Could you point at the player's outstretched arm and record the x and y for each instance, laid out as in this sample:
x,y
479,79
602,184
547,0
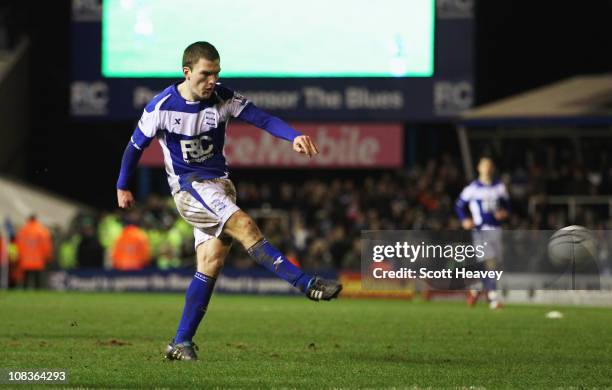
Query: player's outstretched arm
x,y
141,138
278,128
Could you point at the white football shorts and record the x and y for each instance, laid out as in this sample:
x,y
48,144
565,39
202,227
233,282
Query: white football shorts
x,y
207,205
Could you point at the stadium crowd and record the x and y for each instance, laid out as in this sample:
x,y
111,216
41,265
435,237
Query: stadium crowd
x,y
317,221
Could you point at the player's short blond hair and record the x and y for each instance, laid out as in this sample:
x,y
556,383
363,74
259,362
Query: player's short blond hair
x,y
197,50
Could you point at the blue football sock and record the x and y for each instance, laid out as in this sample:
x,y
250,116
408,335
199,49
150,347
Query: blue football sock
x,y
271,258
196,301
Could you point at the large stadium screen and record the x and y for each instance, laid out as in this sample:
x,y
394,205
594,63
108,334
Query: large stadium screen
x,y
272,38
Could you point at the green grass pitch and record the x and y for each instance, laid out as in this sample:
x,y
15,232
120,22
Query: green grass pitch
x,y
116,340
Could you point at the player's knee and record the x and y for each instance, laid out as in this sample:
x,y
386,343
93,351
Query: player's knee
x,y
243,228
244,222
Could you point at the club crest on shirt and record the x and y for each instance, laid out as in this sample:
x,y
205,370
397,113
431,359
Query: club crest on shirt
x,y
211,119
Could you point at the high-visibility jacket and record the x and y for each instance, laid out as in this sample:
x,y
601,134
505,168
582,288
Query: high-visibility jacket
x,y
131,251
34,246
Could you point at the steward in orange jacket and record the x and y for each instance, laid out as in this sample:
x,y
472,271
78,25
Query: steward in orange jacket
x,y
34,247
131,251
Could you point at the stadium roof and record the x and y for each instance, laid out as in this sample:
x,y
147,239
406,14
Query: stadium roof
x,y
19,200
579,100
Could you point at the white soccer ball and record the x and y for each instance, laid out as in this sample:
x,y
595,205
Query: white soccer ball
x,y
572,245
554,315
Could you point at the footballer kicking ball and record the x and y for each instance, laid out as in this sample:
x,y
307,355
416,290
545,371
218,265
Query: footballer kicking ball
x,y
572,245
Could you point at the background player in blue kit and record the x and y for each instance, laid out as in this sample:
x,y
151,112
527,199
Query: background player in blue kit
x,y
189,119
482,207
